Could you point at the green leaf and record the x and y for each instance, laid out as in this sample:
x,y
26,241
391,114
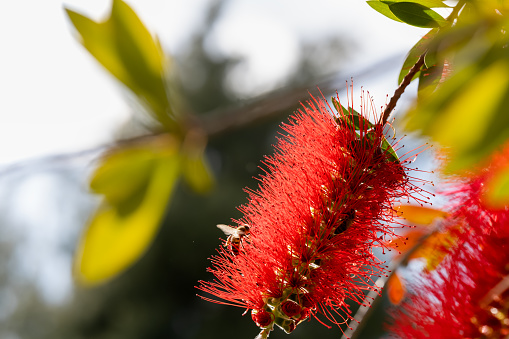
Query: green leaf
x,y
352,117
469,113
342,110
339,108
426,3
360,122
416,15
429,79
124,46
124,226
386,146
383,8
413,55
123,173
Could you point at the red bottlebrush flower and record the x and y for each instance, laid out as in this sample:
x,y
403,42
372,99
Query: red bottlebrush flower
x,y
325,202
262,318
290,308
468,294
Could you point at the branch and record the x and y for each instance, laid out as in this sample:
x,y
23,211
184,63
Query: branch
x,y
218,122
404,83
363,314
276,103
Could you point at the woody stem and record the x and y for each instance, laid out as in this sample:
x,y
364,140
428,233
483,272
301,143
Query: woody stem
x,y
264,334
401,88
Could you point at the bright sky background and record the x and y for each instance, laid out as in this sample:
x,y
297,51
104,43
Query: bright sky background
x,y
54,97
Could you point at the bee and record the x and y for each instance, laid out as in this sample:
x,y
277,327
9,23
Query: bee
x,y
346,222
235,236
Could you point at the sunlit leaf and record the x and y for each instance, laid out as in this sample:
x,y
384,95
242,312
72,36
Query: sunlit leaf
x,y
419,214
427,3
124,173
195,169
416,14
339,108
124,46
497,189
396,289
124,226
383,8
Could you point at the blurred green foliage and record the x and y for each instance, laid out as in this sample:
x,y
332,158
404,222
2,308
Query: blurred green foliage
x,y
136,181
463,87
125,47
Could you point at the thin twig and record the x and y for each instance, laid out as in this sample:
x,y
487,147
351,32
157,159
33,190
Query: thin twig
x,y
363,314
401,88
276,103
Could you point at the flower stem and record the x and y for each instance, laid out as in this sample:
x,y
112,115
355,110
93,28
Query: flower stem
x,y
264,334
401,88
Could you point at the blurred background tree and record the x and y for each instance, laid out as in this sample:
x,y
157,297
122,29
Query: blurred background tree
x,y
156,298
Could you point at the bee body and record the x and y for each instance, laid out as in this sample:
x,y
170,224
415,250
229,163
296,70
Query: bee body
x,y
236,235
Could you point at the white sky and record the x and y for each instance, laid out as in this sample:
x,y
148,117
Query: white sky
x,y
55,98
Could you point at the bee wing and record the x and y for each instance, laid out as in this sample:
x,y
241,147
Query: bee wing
x,y
227,229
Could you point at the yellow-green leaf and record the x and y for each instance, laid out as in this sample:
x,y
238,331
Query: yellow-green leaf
x,y
124,46
124,173
497,189
468,115
383,8
197,174
195,169
123,227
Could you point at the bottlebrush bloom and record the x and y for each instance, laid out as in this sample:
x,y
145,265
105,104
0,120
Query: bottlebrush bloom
x,y
468,295
325,201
